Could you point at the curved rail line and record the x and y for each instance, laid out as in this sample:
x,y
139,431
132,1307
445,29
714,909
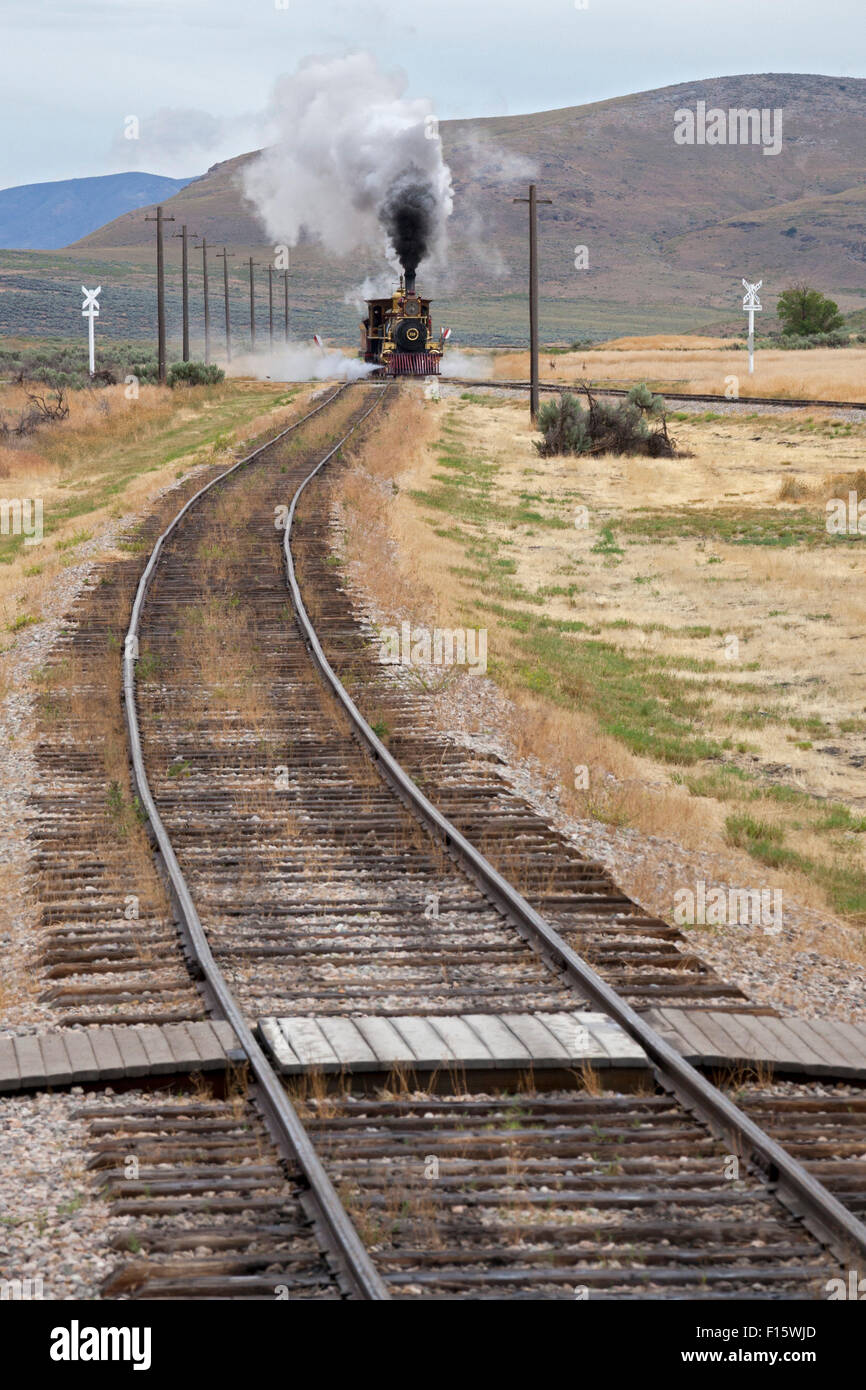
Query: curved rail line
x,y
808,1198
790,402
799,1191
278,1108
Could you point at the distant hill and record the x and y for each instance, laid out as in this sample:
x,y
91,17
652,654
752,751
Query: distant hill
x,y
42,216
670,229
662,222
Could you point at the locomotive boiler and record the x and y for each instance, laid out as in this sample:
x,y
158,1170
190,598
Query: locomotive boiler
x,y
397,334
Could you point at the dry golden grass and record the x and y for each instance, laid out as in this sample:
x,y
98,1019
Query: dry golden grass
x,y
404,557
114,456
701,365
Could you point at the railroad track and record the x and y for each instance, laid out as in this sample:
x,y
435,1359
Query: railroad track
x,y
302,863
792,403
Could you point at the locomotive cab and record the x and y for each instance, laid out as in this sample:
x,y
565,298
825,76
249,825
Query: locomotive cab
x,y
397,334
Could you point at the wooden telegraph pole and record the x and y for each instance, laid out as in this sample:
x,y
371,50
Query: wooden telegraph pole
x,y
533,200
206,301
160,287
184,262
286,305
222,256
271,306
252,307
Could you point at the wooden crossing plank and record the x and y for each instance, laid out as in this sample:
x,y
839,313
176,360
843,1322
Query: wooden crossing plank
x,y
544,1048
463,1041
743,1041
349,1043
58,1069
307,1040
690,1040
82,1056
814,1047
431,1042
106,1052
506,1050
135,1062
572,1032
386,1042
621,1050
789,1048
29,1057
159,1054
826,1058
228,1039
183,1049
335,1044
429,1047
847,1042
210,1049
70,1056
274,1039
10,1076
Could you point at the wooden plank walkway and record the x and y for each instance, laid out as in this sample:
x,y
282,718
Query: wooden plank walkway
x,y
486,1042
338,1045
788,1046
73,1056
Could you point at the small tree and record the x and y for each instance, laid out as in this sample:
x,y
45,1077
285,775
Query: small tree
x,y
804,310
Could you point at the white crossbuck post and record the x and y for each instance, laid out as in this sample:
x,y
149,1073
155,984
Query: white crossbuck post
x,y
90,312
751,304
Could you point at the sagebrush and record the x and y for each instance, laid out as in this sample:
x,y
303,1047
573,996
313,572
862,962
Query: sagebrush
x,y
635,425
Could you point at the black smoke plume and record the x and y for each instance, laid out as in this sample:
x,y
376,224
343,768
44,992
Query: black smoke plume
x,y
408,215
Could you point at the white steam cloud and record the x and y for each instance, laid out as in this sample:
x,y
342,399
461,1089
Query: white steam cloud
x,y
299,362
475,365
355,163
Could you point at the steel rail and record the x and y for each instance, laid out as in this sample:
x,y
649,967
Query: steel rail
x,y
832,1222
792,402
338,1229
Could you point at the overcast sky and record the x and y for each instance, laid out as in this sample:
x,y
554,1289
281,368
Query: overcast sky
x,y
74,70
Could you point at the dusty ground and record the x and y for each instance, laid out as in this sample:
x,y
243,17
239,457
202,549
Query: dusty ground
x,y
692,638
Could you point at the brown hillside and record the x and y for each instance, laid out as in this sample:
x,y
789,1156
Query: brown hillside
x,y
662,222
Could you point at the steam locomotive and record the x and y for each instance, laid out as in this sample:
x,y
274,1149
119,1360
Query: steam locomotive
x,y
397,334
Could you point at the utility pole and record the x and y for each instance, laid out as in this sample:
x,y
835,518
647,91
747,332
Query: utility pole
x,y
206,302
222,256
160,287
533,200
286,305
185,286
271,306
252,307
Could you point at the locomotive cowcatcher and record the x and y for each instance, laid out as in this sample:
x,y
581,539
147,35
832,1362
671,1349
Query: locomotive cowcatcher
x,y
397,334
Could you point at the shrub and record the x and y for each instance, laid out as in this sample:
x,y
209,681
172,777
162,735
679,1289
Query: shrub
x,y
636,425
804,311
194,374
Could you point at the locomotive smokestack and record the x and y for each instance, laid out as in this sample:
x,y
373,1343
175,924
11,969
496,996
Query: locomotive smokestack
x,y
409,215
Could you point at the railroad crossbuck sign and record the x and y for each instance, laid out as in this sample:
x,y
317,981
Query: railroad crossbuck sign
x,y
751,304
90,311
